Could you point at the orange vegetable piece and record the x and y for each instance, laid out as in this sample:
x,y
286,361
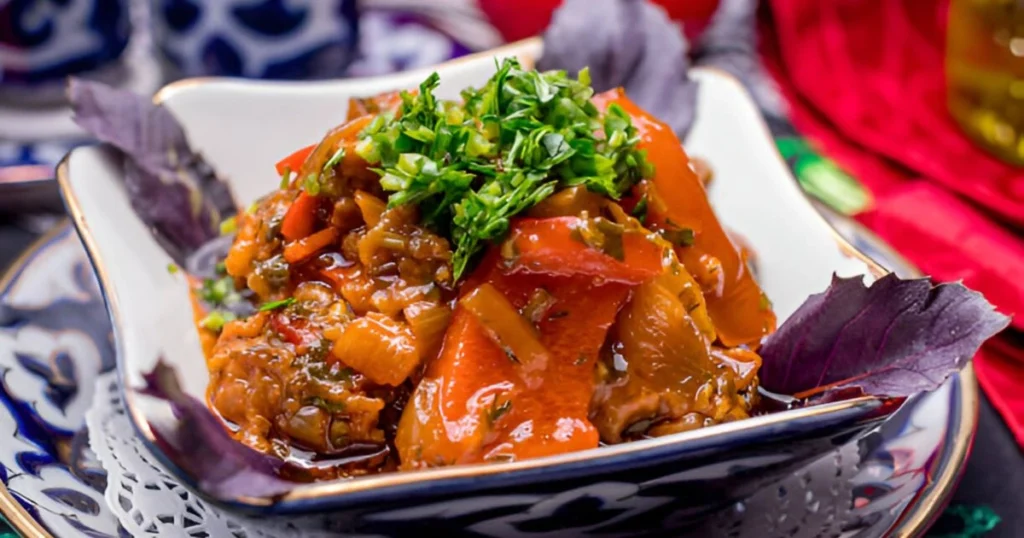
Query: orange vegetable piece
x,y
735,305
346,132
507,329
473,405
385,102
294,161
379,347
300,219
370,207
553,246
305,248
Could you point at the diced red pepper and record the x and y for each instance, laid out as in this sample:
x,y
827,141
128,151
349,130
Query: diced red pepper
x,y
305,248
292,331
294,161
300,219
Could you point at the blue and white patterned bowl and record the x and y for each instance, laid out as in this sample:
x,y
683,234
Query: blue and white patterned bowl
x,y
298,39
45,41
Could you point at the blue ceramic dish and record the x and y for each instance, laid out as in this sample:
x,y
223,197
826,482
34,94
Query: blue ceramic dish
x,y
44,42
645,487
304,39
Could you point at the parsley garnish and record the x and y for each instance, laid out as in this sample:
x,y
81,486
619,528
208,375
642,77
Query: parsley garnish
x,y
286,178
219,292
498,410
274,305
640,210
335,159
680,237
311,185
330,407
471,166
228,226
216,319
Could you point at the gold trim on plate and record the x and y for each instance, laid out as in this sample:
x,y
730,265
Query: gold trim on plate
x,y
919,516
16,515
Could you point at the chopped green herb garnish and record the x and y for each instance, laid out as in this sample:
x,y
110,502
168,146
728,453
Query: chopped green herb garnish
x,y
498,410
311,185
172,268
335,159
471,166
216,319
286,178
219,292
228,226
640,210
680,237
330,407
221,268
274,305
601,234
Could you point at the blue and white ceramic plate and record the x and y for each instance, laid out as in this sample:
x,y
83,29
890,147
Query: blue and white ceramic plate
x,y
55,340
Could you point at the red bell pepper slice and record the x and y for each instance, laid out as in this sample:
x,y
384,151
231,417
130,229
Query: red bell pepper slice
x,y
294,161
301,250
300,219
474,403
735,305
554,246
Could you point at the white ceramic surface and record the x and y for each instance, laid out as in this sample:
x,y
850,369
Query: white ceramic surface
x,y
243,128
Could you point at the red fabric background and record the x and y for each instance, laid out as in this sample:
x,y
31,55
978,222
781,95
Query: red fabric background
x,y
519,19
865,81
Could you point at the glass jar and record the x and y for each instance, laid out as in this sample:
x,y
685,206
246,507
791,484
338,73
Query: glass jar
x,y
985,73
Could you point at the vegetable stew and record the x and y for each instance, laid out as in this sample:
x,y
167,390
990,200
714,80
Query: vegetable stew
x,y
530,270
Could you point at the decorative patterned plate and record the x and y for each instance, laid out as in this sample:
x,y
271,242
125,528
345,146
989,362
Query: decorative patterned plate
x,y
55,340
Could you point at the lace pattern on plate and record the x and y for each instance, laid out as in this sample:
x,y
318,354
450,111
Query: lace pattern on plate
x,y
814,501
142,494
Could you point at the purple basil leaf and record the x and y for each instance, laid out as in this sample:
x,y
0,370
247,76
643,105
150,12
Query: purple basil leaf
x,y
894,338
170,186
628,43
223,467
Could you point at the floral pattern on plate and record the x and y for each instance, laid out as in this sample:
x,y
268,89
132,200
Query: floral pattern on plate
x,y
54,341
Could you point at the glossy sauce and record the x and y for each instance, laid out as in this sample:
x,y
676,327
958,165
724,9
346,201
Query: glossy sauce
x,y
735,301
602,329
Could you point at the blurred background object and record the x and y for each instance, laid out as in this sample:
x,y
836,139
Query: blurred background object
x,y
985,73
302,39
43,42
